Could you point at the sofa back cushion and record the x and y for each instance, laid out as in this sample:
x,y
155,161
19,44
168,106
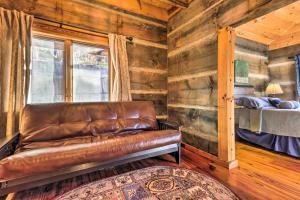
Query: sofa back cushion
x,y
44,122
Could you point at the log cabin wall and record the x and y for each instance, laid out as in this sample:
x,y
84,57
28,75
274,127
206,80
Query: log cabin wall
x,y
256,55
282,70
192,76
147,54
148,75
192,63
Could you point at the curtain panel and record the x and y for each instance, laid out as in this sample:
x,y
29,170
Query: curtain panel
x,y
120,79
15,59
297,61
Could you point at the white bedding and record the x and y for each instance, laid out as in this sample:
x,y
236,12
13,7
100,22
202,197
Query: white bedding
x,y
284,122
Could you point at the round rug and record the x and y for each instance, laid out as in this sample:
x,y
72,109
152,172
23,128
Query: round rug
x,y
164,183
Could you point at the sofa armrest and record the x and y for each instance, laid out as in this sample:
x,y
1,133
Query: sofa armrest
x,y
163,125
8,145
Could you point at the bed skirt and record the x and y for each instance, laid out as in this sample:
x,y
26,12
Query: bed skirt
x,y
283,144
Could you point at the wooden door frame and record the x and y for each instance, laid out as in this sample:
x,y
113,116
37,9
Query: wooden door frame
x,y
226,135
226,46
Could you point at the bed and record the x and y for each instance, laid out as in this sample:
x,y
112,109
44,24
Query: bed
x,y
270,127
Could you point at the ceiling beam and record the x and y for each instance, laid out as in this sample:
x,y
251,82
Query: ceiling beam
x,y
121,11
139,7
177,3
173,11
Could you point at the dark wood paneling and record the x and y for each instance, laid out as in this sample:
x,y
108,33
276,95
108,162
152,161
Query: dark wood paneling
x,y
251,46
284,71
197,124
196,119
259,85
160,101
197,91
284,52
200,143
192,33
148,71
196,7
256,55
289,92
197,59
146,56
147,80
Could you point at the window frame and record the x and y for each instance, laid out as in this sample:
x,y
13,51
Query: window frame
x,y
64,63
71,60
84,39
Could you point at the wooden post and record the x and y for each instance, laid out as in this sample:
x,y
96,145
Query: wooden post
x,y
226,137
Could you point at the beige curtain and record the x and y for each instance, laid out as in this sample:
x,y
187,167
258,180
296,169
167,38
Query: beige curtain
x,y
120,80
15,58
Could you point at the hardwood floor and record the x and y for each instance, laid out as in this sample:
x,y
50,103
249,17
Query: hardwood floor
x,y
261,175
265,175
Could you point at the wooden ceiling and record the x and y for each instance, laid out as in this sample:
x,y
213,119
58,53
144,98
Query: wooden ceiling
x,y
158,9
277,29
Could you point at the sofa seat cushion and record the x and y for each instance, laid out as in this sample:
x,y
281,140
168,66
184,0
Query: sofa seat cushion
x,y
39,157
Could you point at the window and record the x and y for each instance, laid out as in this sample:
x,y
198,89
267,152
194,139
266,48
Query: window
x,y
47,71
52,77
90,73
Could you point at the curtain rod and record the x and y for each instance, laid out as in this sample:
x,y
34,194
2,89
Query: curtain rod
x,y
130,39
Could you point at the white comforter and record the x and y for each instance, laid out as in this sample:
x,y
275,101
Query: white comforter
x,y
285,122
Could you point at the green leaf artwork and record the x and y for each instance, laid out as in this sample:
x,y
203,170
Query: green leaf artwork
x,y
241,72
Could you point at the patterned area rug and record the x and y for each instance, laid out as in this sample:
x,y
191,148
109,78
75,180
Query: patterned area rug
x,y
164,183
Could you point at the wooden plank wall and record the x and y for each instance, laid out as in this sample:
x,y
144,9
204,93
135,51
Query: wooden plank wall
x,y
92,16
256,55
192,78
192,63
148,75
147,55
282,70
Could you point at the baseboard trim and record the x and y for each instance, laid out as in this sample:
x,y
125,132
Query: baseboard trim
x,y
215,161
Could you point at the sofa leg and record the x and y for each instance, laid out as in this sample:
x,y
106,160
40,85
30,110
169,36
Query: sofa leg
x,y
177,154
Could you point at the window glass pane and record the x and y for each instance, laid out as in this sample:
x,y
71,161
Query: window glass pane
x,y
47,72
90,73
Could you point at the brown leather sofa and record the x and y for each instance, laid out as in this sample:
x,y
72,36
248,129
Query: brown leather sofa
x,y
57,141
